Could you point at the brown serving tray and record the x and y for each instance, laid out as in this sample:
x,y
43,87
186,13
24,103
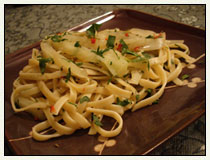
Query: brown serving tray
x,y
144,129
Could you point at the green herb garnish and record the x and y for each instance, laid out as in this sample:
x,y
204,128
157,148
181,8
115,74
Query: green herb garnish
x,y
73,104
123,103
96,120
149,91
185,76
83,99
64,33
148,65
116,54
125,50
68,75
144,59
125,75
139,59
110,63
57,38
79,63
156,101
124,46
110,42
42,63
131,53
146,55
109,80
137,97
77,44
100,52
39,56
150,36
92,30
70,61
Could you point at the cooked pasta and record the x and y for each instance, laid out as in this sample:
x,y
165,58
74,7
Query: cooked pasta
x,y
78,78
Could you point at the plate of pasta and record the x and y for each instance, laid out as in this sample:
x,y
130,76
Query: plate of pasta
x,y
121,89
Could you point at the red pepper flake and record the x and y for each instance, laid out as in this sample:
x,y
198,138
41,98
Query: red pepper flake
x,y
59,33
136,49
126,34
93,40
119,48
158,36
106,39
52,109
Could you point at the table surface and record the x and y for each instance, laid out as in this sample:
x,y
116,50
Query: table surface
x,y
27,24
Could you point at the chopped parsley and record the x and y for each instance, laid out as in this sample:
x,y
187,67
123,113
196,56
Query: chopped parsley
x,y
79,63
109,80
110,42
149,91
110,63
123,103
125,75
131,53
68,75
139,59
125,50
68,60
148,65
156,101
83,99
185,76
64,33
57,38
146,55
116,54
77,44
144,59
137,97
154,37
96,120
42,63
39,56
100,52
150,36
92,30
124,47
73,104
